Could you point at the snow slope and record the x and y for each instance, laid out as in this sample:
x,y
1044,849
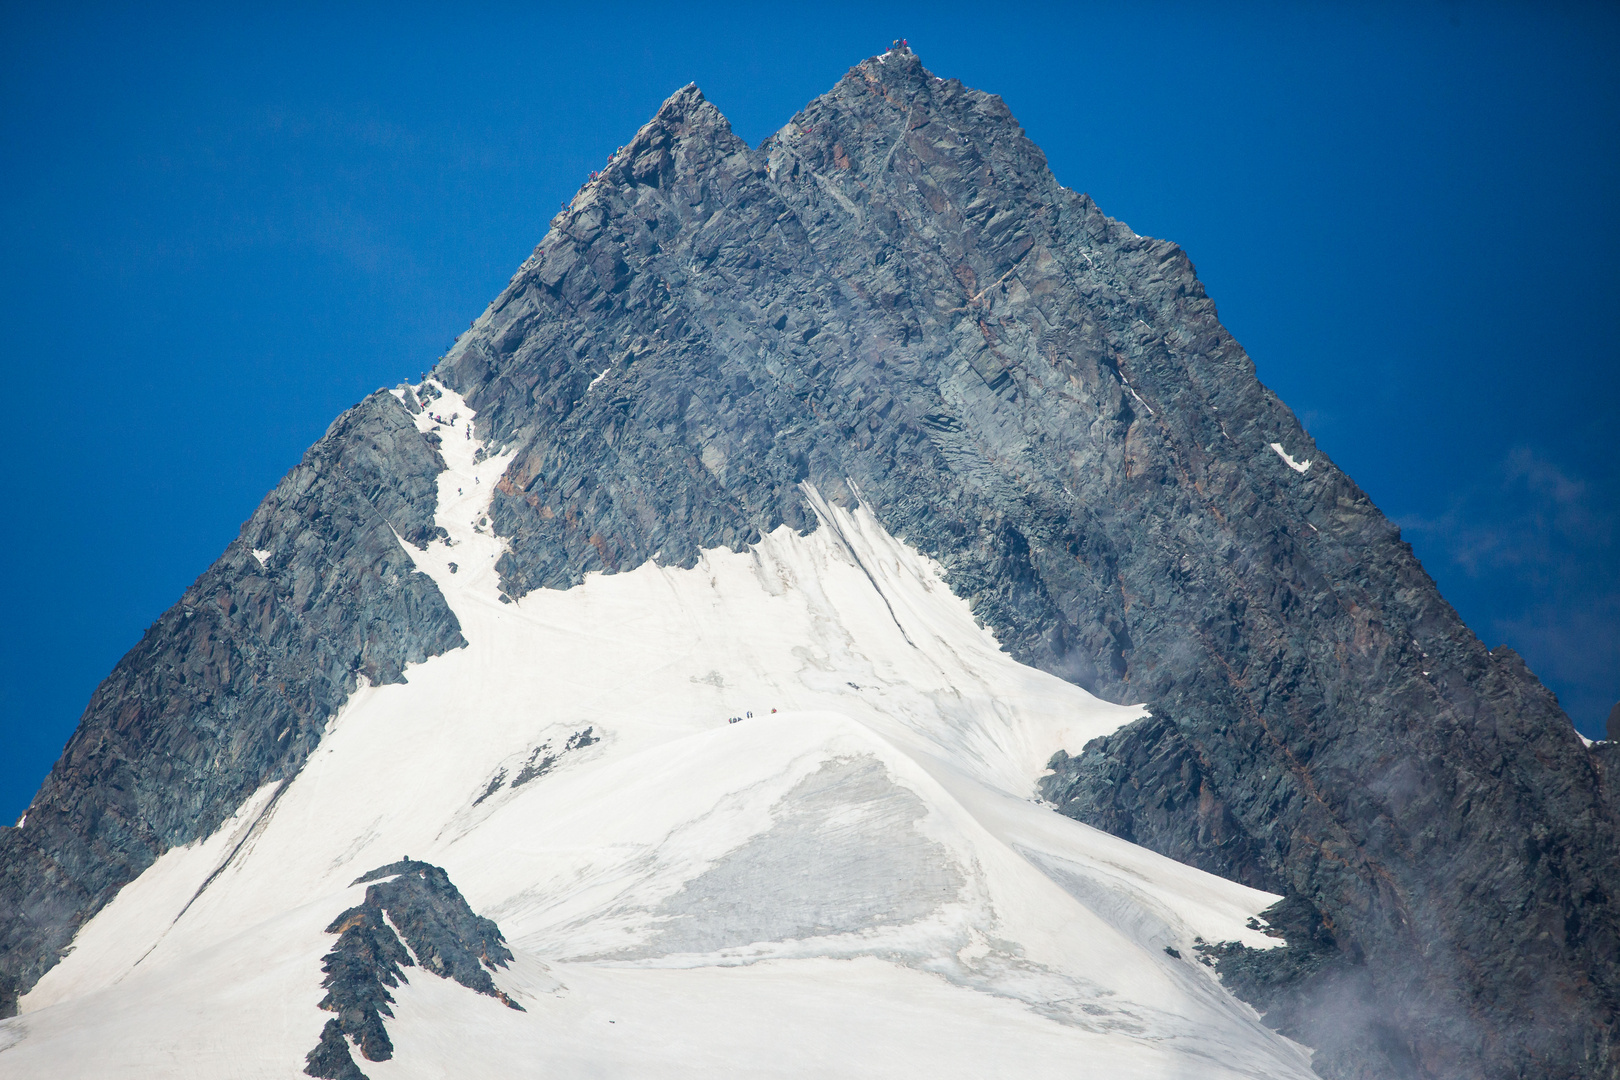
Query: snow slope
x,y
855,880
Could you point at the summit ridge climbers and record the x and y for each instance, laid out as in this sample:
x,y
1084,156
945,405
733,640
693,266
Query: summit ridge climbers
x,y
892,313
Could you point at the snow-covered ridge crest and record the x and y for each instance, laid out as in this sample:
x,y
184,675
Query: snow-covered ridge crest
x,y
861,854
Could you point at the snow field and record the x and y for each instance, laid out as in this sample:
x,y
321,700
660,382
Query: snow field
x,y
859,884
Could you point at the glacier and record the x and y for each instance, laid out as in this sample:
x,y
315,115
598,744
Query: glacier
x,y
855,878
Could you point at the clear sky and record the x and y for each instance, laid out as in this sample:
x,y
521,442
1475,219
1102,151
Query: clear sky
x,y
222,227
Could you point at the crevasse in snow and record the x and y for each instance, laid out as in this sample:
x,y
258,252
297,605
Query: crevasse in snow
x,y
854,880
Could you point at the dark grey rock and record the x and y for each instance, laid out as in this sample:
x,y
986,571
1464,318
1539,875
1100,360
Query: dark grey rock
x,y
541,760
444,935
1144,783
331,1058
1310,979
232,687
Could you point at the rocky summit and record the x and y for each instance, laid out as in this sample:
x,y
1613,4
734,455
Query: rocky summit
x,y
955,495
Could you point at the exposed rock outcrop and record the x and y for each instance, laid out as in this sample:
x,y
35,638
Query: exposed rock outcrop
x,y
1144,783
415,901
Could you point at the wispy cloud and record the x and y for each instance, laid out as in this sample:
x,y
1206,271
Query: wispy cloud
x,y
1533,546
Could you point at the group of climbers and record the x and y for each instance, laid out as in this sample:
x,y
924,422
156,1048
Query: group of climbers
x,y
596,173
740,719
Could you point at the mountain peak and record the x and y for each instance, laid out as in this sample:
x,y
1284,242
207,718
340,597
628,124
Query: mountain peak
x,y
750,556
686,107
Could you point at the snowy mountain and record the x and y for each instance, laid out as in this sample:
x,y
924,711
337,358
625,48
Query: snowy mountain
x,y
686,677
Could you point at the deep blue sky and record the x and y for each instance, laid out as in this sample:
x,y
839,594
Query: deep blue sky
x,y
219,230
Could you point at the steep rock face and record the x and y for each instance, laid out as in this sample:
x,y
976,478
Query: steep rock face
x,y
231,687
894,298
1146,784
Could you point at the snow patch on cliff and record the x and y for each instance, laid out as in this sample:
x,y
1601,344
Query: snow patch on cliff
x,y
1288,459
